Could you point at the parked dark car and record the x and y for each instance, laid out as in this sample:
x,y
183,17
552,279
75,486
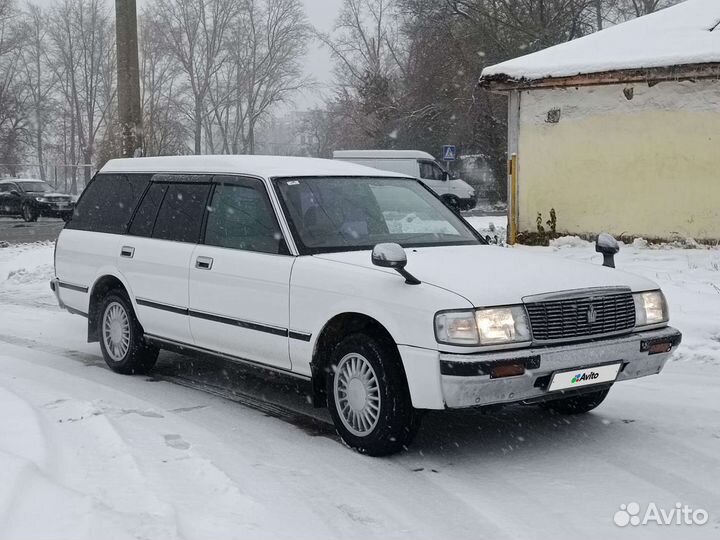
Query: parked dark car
x,y
31,199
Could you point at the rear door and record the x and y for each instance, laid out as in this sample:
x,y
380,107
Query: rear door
x,y
240,276
155,256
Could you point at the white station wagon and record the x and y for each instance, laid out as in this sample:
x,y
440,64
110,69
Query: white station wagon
x,y
360,281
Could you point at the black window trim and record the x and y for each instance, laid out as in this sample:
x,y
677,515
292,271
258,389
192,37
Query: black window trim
x,y
304,250
251,182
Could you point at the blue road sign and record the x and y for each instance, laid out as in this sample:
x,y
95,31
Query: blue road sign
x,y
449,152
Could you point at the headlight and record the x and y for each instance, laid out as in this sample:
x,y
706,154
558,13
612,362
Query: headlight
x,y
492,326
650,308
41,199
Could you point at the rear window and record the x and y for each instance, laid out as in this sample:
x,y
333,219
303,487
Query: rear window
x,y
108,202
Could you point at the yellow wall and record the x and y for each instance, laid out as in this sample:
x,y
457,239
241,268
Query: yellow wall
x,y
649,166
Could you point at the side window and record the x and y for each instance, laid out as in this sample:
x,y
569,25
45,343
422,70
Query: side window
x,y
240,216
108,202
144,219
181,212
4,188
431,171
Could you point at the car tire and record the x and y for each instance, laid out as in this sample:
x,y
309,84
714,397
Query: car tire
x,y
29,214
578,404
121,337
368,396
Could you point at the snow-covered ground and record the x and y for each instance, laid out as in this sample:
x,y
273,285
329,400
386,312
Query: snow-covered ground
x,y
86,454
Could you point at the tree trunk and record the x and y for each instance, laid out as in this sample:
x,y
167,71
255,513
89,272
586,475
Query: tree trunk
x,y
73,157
40,156
198,125
129,107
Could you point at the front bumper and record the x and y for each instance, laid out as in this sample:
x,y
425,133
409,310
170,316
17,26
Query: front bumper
x,y
466,379
54,209
468,203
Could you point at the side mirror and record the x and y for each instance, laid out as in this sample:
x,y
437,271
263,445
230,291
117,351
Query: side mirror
x,y
446,176
14,193
390,255
608,246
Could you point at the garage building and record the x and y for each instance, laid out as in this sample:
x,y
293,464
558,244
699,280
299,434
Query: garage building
x,y
619,131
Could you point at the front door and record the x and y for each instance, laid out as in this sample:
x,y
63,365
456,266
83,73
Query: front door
x,y
240,276
433,177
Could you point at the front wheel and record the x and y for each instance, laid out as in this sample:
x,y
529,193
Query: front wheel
x,y
29,213
121,337
368,397
578,404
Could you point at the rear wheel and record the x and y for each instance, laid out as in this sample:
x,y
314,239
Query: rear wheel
x,y
368,397
121,337
29,213
578,404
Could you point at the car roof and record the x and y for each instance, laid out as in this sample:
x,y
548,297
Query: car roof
x,y
381,154
262,166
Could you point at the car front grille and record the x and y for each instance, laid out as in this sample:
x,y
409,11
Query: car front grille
x,y
572,318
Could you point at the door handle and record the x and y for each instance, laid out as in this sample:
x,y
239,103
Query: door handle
x,y
127,251
204,263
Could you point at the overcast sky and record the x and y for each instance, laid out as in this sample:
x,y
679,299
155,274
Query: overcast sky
x,y
322,14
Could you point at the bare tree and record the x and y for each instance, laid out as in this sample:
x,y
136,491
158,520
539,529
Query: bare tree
x,y
13,97
38,79
370,63
265,48
194,32
164,129
85,61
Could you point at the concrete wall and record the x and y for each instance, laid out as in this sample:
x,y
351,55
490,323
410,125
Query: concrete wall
x,y
646,166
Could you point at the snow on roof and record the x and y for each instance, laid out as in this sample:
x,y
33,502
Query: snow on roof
x,y
687,33
381,154
262,166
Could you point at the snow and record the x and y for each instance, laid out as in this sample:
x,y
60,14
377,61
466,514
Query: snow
x,y
678,35
262,166
86,453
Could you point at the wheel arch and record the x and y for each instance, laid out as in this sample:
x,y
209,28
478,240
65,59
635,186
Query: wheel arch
x,y
332,332
104,284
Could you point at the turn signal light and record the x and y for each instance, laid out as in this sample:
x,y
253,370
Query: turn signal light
x,y
659,348
507,370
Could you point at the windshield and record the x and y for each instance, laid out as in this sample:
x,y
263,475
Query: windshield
x,y
340,214
35,187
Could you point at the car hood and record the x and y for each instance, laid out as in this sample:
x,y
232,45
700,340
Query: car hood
x,y
491,275
50,195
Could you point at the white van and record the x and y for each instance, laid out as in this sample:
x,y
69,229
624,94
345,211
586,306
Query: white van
x,y
453,191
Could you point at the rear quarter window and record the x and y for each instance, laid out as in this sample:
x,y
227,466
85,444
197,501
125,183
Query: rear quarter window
x,y
108,203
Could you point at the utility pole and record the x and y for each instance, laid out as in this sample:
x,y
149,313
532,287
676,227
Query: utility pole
x,y
129,108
